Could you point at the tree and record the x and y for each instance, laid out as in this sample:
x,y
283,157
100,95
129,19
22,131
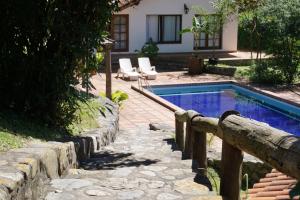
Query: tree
x,y
273,27
46,47
248,25
280,30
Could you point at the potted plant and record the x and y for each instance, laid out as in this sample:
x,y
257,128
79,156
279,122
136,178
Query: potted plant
x,y
150,50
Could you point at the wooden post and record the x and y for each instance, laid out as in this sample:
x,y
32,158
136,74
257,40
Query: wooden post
x,y
199,152
179,131
231,172
188,140
108,72
231,165
189,134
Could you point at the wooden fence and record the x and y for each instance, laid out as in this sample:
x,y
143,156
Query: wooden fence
x,y
279,149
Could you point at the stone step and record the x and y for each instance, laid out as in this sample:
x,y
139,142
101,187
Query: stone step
x,y
141,164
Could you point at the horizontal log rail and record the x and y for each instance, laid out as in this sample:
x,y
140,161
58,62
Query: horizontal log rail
x,y
277,148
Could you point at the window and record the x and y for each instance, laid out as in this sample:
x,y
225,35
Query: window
x,y
205,41
164,28
119,32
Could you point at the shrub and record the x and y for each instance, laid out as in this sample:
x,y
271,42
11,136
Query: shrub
x,y
47,48
265,72
273,27
117,97
150,50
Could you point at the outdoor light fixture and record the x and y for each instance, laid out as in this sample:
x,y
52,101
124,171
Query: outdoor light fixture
x,y
186,9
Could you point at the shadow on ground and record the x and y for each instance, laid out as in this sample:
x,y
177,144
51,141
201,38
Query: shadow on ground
x,y
109,160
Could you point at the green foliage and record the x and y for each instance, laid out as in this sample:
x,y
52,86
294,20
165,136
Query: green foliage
x,y
265,72
273,27
210,23
118,97
9,141
295,191
86,116
99,58
214,178
279,25
248,5
246,180
17,130
243,72
47,48
150,50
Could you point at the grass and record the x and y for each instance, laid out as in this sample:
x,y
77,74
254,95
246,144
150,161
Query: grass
x,y
214,179
86,117
242,71
16,130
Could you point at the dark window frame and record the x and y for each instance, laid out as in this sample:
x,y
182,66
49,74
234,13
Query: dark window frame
x,y
160,29
126,49
206,47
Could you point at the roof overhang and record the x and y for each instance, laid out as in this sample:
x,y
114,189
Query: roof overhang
x,y
123,4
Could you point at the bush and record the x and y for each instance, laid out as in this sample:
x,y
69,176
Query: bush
x,y
273,27
117,97
265,72
149,50
47,48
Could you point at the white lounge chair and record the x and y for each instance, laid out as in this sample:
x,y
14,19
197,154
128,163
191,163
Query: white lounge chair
x,y
146,69
127,70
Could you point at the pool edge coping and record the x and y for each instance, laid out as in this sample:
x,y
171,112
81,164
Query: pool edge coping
x,y
157,99
174,108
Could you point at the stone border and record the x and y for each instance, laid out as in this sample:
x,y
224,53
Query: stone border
x,y
226,71
24,172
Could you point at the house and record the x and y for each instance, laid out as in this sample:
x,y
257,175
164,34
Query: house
x,y
138,21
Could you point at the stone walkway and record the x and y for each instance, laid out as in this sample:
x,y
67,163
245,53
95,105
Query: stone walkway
x,y
141,164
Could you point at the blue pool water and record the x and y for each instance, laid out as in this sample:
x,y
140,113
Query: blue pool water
x,y
214,100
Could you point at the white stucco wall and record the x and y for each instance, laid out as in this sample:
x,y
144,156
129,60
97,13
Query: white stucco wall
x,y
137,24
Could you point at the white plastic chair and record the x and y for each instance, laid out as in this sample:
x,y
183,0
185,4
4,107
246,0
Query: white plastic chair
x,y
127,70
146,69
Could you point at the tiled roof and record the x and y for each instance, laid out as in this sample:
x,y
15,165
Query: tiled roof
x,y
123,4
275,186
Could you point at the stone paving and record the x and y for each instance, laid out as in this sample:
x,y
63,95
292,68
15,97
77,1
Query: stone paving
x,y
141,164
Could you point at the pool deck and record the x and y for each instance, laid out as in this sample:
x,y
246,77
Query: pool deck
x,y
139,110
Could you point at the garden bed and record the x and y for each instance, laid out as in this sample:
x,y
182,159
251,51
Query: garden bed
x,y
24,172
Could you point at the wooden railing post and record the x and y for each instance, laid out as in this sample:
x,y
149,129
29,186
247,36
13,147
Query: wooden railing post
x,y
231,172
189,134
179,133
199,152
180,119
187,143
231,167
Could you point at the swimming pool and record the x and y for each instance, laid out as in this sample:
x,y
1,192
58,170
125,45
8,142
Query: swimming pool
x,y
213,100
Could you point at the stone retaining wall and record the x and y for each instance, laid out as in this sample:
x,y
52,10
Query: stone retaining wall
x,y
25,171
226,71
